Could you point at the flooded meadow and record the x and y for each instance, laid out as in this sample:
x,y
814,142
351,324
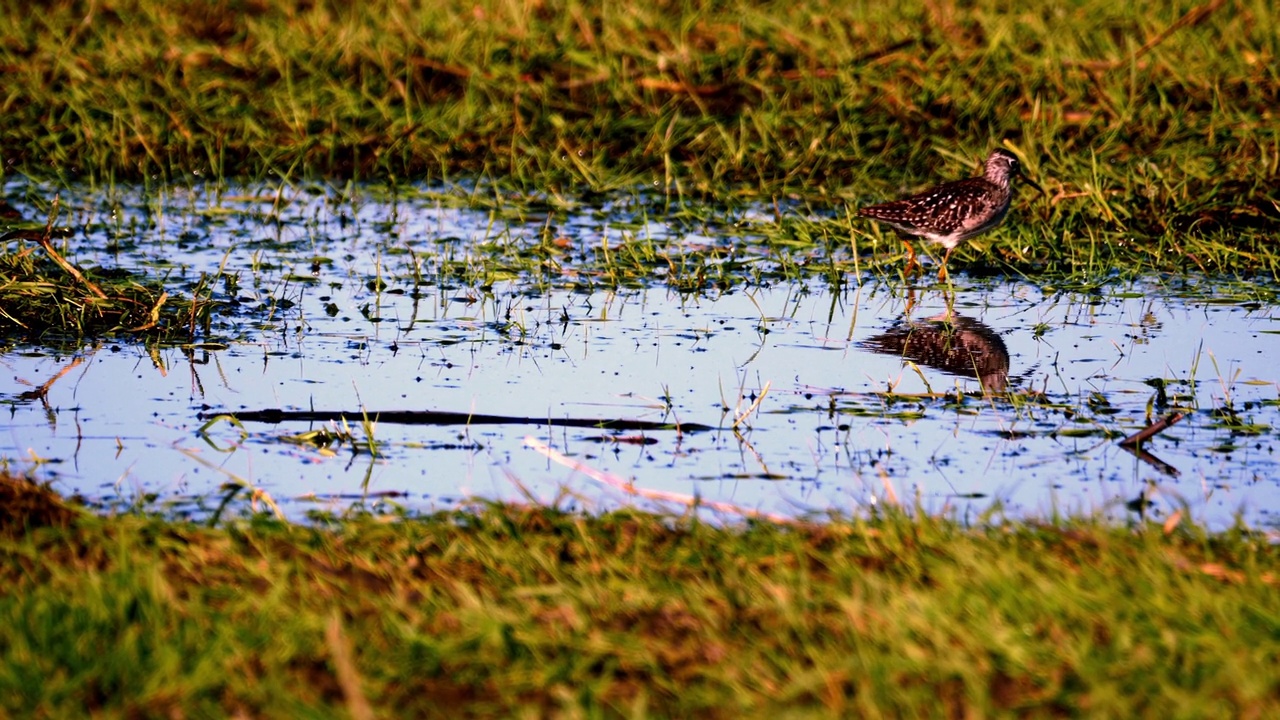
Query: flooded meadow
x,y
422,347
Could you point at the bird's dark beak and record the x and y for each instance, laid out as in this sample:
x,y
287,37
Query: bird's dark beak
x,y
1032,183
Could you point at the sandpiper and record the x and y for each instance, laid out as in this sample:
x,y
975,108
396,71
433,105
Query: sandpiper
x,y
954,211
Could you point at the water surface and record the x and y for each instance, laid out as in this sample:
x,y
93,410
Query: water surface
x,y
996,392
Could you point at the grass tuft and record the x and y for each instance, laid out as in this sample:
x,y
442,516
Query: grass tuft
x,y
501,609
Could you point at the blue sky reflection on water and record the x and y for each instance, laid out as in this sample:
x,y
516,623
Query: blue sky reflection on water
x,y
825,437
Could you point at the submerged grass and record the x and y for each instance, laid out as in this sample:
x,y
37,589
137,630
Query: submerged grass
x,y
45,298
501,610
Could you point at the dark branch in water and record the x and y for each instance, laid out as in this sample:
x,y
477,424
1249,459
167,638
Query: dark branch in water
x,y
433,417
1163,467
1152,429
1133,443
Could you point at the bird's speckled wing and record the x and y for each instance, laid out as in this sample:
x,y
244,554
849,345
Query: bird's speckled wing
x,y
962,208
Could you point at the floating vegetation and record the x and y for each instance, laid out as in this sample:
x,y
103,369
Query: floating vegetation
x,y
45,296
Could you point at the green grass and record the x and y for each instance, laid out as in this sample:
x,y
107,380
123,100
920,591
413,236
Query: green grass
x,y
1152,129
506,610
46,299
811,97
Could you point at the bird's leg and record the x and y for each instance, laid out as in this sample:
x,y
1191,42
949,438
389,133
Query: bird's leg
x,y
942,271
912,262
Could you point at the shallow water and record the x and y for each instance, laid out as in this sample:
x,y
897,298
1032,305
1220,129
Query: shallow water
x,y
843,422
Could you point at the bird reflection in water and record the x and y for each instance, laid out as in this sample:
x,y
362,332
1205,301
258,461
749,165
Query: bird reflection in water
x,y
955,344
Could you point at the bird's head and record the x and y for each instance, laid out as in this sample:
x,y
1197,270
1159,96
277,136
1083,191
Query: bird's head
x,y
1002,166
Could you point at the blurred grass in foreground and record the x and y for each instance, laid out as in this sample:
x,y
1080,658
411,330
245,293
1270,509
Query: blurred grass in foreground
x,y
502,610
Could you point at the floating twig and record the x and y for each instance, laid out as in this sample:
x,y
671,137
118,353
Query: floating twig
x,y
66,266
1152,429
41,392
434,417
629,488
1146,457
755,405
